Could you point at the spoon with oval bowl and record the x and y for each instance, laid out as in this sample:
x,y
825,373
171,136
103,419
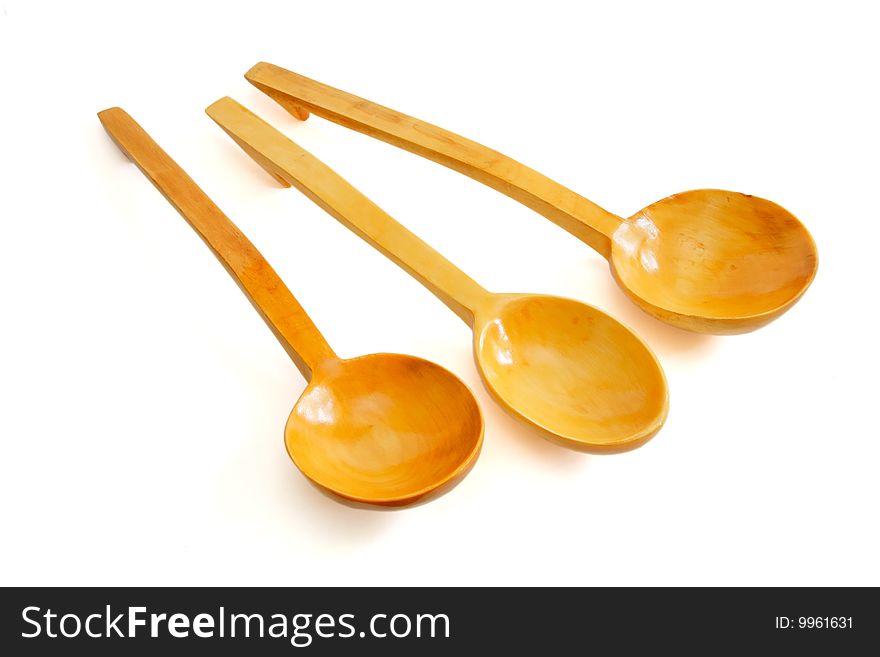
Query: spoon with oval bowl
x,y
384,430
707,260
582,378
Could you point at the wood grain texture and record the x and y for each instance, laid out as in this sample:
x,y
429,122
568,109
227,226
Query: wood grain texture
x,y
714,261
569,370
704,262
383,430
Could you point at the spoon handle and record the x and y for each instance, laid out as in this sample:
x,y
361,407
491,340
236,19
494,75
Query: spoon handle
x,y
290,164
300,95
275,303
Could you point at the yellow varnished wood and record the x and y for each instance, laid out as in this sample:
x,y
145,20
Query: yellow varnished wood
x,y
381,430
714,261
579,376
710,261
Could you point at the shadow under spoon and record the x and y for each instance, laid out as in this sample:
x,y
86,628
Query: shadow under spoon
x,y
582,378
707,260
383,430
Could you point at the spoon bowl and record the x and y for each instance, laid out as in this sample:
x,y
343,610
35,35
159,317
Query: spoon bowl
x,y
570,370
714,261
384,429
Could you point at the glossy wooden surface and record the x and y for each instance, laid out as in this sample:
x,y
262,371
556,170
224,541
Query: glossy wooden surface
x,y
710,261
574,371
385,428
566,368
382,430
757,256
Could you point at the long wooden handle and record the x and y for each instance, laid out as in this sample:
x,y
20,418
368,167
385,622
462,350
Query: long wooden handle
x,y
300,95
290,164
287,319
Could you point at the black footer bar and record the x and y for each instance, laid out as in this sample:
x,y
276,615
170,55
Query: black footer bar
x,y
435,620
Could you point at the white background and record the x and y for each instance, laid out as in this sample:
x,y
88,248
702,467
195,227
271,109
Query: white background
x,y
143,400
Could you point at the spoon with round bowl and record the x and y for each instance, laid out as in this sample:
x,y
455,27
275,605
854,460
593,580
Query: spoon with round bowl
x,y
707,260
383,430
579,376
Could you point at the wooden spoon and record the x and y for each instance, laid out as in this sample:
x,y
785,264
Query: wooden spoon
x,y
567,368
384,429
708,260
